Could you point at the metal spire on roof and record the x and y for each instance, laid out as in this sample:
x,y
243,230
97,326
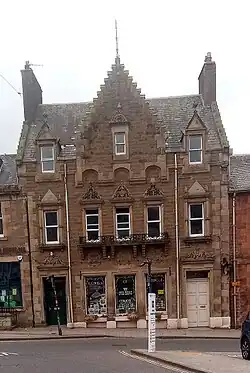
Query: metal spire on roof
x,y
117,58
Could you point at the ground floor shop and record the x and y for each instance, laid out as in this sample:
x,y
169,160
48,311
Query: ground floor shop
x,y
113,293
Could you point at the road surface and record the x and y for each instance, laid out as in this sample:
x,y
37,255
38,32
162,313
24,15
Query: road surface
x,y
104,355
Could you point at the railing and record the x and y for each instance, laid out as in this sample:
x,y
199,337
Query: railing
x,y
133,239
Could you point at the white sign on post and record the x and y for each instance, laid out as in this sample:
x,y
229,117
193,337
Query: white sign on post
x,y
151,322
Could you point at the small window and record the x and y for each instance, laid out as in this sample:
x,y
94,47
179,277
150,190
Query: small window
x,y
195,149
1,221
48,159
196,220
154,221
10,285
51,227
92,225
122,223
120,145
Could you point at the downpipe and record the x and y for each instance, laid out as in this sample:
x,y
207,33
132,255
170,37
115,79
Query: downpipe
x,y
234,261
71,312
177,240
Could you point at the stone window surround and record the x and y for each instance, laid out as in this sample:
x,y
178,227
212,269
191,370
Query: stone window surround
x,y
85,292
42,210
84,223
206,213
116,220
120,128
124,274
151,204
117,143
54,226
195,167
44,176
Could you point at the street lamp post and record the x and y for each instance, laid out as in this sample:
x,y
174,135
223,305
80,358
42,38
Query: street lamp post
x,y
151,308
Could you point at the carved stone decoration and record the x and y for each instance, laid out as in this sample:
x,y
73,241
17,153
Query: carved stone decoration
x,y
49,197
118,116
53,260
196,189
153,191
123,257
156,255
94,259
91,193
121,192
15,250
198,255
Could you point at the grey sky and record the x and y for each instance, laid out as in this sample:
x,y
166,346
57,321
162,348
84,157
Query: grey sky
x,y
162,43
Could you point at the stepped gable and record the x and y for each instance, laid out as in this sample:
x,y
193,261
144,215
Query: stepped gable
x,y
170,115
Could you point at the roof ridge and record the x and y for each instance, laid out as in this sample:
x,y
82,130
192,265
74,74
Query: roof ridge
x,y
177,96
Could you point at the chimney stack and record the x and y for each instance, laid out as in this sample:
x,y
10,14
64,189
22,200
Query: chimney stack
x,y
207,80
32,92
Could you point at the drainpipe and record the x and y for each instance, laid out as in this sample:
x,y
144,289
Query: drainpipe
x,y
68,247
234,260
30,262
177,243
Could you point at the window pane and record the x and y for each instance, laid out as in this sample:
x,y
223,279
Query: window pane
x,y
153,213
120,138
96,295
120,148
196,211
122,210
51,218
48,165
93,235
47,152
122,218
10,285
92,219
1,226
195,142
123,233
195,156
125,294
1,215
196,227
153,229
52,235
158,287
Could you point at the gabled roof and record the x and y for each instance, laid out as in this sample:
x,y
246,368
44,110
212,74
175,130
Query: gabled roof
x,y
172,114
239,173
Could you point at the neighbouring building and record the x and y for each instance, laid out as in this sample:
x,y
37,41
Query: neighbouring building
x,y
15,286
239,264
120,181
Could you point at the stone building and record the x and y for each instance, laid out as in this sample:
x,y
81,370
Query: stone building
x,y
15,287
239,264
122,180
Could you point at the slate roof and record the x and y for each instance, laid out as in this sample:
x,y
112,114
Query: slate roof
x,y
239,173
8,173
174,114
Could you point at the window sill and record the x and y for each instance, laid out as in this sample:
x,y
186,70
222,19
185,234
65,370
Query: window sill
x,y
51,247
198,239
3,238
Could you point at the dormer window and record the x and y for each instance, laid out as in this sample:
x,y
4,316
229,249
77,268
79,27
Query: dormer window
x,y
120,143
48,158
195,149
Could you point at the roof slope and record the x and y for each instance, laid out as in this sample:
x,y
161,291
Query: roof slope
x,y
239,173
8,174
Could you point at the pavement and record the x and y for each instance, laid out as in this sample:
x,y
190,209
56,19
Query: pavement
x,y
198,362
52,333
102,355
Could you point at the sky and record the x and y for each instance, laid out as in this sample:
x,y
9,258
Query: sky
x,y
162,43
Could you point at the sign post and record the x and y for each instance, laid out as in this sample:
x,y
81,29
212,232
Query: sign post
x,y
151,322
